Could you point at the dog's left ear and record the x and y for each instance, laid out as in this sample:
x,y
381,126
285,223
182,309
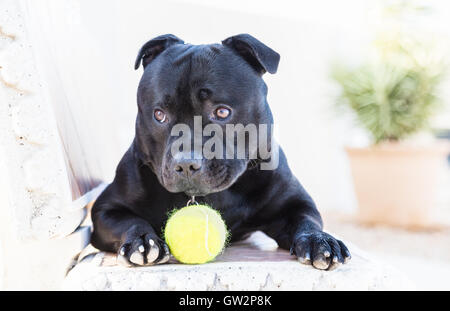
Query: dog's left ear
x,y
154,47
256,53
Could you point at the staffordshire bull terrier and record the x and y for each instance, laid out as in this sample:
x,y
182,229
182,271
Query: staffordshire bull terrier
x,y
222,84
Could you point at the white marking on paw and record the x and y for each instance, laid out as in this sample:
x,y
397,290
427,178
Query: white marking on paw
x,y
165,258
137,258
303,260
320,264
153,254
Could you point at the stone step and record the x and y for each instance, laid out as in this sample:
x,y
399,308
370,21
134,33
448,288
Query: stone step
x,y
254,264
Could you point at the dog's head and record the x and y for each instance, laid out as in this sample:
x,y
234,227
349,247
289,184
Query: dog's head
x,y
222,84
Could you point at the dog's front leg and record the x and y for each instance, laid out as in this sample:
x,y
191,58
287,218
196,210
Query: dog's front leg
x,y
313,246
134,240
298,228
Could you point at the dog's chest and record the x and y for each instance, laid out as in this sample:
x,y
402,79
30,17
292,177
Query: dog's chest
x,y
237,215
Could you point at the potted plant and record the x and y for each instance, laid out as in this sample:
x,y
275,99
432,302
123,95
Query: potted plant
x,y
393,98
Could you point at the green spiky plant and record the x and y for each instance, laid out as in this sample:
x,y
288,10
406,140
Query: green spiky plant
x,y
395,94
390,102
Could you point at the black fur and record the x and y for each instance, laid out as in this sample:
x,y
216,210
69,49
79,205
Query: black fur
x,y
186,80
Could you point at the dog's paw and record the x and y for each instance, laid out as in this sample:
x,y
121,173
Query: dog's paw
x,y
321,250
144,250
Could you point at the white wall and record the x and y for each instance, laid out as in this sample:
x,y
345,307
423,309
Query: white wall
x,y
35,192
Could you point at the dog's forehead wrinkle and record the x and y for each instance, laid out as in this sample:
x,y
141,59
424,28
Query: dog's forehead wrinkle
x,y
202,52
175,81
185,55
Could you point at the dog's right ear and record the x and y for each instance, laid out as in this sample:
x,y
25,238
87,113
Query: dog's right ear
x,y
154,47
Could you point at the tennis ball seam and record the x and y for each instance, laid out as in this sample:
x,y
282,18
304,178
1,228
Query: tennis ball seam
x,y
206,233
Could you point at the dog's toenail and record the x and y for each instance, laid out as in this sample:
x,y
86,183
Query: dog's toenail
x,y
326,254
151,242
141,248
122,251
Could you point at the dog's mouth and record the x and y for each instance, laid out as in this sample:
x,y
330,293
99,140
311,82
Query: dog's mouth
x,y
221,183
195,193
201,186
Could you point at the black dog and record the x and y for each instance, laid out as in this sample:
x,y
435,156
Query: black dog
x,y
223,84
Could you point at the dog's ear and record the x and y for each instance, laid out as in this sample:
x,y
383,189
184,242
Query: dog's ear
x,y
155,46
256,53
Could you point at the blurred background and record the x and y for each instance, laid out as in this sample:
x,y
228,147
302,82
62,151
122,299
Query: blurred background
x,y
361,103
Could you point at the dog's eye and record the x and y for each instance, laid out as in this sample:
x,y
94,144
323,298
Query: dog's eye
x,y
160,116
222,113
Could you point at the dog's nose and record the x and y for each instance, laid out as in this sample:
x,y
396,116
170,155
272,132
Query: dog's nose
x,y
188,167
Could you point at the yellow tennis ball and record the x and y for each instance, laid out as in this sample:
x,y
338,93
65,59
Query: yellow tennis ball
x,y
195,234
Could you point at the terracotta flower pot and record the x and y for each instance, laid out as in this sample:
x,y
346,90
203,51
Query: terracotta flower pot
x,y
396,184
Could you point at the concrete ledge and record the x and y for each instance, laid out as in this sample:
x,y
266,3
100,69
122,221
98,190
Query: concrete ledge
x,y
255,264
35,179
